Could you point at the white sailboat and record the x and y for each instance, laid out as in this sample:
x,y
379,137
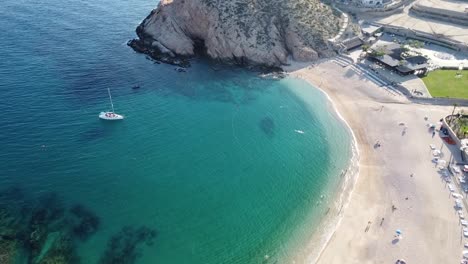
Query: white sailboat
x,y
110,115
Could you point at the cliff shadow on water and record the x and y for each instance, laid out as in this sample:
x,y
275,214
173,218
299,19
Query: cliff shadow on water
x,y
209,80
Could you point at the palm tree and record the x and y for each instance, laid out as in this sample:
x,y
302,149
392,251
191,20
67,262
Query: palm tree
x,y
454,106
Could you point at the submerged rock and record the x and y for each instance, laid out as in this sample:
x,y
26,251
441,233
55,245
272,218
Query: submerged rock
x,y
267,125
263,32
43,231
40,229
8,250
60,250
123,247
46,216
85,221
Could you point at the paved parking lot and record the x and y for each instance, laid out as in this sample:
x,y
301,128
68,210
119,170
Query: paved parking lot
x,y
408,20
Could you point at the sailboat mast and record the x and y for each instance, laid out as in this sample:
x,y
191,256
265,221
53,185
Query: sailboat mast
x,y
110,97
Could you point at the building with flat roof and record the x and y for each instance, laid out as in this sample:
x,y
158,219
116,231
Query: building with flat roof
x,y
374,3
393,56
352,43
369,29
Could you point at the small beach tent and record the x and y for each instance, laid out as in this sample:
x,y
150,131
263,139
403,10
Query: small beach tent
x,y
465,253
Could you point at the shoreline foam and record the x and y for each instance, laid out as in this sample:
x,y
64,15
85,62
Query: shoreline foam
x,y
342,190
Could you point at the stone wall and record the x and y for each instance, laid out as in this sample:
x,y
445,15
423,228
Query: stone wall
x,y
459,18
423,36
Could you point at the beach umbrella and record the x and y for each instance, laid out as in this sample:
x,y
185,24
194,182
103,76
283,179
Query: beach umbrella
x,y
398,231
465,253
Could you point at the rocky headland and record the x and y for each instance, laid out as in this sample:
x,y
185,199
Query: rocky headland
x,y
255,32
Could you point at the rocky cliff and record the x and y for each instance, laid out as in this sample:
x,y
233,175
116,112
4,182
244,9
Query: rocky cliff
x,y
261,32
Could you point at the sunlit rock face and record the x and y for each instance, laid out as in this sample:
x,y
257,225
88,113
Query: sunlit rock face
x,y
262,32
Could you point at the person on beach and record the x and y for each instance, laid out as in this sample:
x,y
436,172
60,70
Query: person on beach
x,y
368,226
377,144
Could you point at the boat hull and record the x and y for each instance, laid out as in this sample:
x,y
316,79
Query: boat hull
x,y
110,116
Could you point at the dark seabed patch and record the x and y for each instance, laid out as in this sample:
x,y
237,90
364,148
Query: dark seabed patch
x,y
267,125
86,223
93,133
43,231
124,247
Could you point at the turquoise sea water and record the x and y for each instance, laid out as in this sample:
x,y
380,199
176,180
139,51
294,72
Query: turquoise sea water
x,y
223,166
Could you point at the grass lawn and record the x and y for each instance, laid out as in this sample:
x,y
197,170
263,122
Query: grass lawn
x,y
464,129
442,83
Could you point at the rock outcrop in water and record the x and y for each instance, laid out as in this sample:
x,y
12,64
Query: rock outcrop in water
x,y
43,231
261,32
124,247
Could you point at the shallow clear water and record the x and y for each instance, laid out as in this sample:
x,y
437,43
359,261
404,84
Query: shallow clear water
x,y
226,166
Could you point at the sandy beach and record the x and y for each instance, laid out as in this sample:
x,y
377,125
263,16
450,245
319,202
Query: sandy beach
x,y
398,186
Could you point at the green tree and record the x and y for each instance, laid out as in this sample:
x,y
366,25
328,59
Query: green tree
x,y
380,51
